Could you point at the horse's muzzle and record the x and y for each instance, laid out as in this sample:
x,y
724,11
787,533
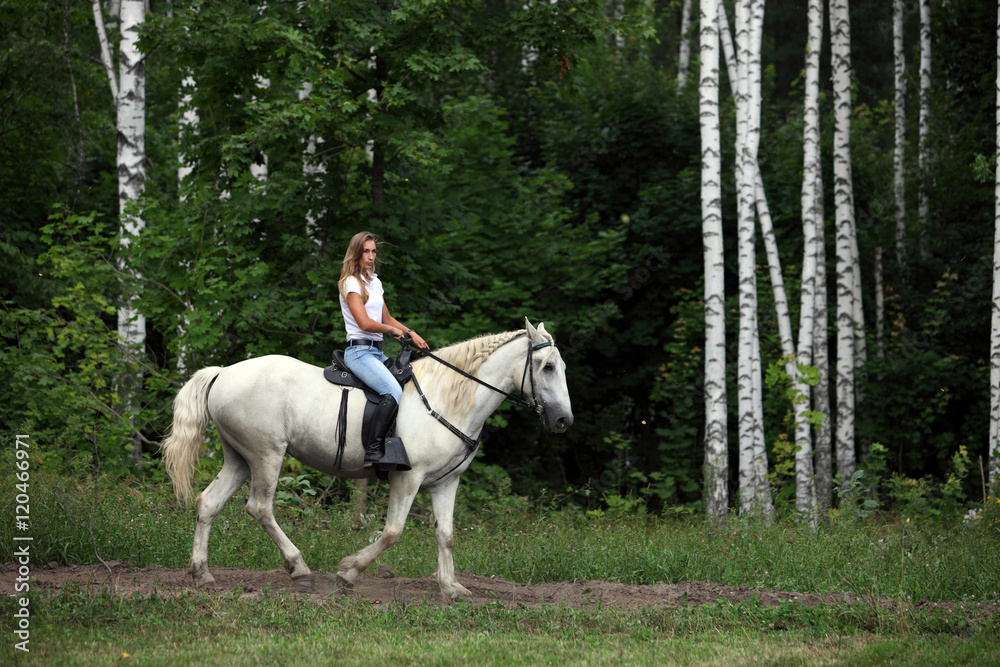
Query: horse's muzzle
x,y
559,424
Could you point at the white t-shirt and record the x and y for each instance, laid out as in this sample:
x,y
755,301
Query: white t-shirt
x,y
376,299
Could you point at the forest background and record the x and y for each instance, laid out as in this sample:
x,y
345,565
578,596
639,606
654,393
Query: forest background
x,y
521,159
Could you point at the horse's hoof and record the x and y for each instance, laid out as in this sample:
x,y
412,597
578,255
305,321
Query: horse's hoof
x,y
342,584
206,580
305,580
462,593
449,599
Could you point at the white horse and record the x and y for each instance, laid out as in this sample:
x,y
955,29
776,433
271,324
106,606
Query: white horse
x,y
270,406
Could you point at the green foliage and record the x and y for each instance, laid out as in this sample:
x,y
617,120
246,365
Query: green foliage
x,y
777,375
925,501
64,362
532,159
853,504
77,519
294,491
989,516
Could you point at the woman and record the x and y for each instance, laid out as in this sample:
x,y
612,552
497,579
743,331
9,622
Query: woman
x,y
367,319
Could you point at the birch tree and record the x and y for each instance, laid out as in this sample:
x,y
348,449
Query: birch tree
x,y
811,201
128,90
131,165
805,491
187,122
995,320
749,25
840,47
823,440
899,180
716,438
925,113
755,487
684,52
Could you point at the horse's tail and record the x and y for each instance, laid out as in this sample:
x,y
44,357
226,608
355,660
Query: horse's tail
x,y
182,447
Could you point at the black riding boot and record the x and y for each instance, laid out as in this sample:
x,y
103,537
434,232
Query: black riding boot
x,y
382,419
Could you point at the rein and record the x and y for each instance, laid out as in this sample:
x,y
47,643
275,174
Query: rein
x,y
472,444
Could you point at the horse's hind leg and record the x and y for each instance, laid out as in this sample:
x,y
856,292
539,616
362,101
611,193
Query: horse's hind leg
x,y
260,506
403,489
210,502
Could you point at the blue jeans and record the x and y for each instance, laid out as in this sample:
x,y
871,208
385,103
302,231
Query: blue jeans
x,y
368,363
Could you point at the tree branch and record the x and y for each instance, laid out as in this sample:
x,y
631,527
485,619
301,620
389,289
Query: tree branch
x,y
102,37
76,101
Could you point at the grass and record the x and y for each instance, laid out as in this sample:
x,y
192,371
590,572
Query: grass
x,y
198,628
871,559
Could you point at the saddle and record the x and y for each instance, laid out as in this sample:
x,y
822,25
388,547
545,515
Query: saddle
x,y
338,374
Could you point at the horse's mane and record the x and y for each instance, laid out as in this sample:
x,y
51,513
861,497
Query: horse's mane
x,y
457,390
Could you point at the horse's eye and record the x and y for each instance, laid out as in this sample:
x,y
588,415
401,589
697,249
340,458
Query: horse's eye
x,y
549,367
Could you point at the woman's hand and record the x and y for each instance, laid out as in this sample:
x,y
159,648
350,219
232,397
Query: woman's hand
x,y
418,340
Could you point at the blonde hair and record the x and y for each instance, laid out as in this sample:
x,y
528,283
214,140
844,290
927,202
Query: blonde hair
x,y
352,262
469,356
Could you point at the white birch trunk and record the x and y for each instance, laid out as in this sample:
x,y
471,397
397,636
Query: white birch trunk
x,y
102,38
754,486
716,438
259,169
899,153
189,119
879,306
749,18
684,54
762,492
860,341
925,112
312,168
812,253
762,497
805,489
131,116
131,122
131,104
840,33
821,360
995,320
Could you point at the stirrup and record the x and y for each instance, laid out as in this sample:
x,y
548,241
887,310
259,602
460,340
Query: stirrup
x,y
395,458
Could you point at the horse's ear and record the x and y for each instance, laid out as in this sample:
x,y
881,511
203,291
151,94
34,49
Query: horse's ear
x,y
537,335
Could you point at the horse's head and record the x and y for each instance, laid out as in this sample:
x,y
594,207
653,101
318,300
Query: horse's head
x,y
547,379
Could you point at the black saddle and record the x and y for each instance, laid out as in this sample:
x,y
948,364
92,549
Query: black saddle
x,y
338,374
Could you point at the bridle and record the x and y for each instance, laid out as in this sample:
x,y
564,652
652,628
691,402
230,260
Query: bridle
x,y
472,444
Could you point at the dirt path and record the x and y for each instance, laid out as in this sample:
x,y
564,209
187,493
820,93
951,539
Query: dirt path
x,y
384,587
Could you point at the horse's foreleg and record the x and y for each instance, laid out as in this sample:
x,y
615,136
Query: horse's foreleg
x,y
403,489
211,501
260,506
443,502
